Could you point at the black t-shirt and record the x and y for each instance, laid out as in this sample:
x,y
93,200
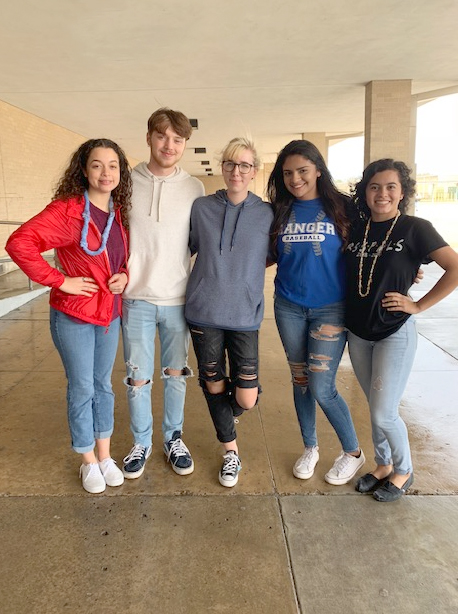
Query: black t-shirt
x,y
411,240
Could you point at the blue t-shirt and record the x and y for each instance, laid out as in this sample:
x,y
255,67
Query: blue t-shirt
x,y
310,265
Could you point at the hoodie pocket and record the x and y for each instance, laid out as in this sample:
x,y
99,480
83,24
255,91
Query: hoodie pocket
x,y
223,305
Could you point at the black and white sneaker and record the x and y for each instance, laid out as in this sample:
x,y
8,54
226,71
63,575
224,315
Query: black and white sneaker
x,y
229,473
134,462
178,455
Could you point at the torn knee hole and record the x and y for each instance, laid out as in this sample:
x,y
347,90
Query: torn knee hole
x,y
137,383
327,332
299,374
169,372
319,362
248,378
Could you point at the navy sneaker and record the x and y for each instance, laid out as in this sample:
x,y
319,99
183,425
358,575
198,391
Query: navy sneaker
x,y
178,455
134,462
229,473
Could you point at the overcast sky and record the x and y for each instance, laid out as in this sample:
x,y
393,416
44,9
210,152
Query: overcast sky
x,y
436,145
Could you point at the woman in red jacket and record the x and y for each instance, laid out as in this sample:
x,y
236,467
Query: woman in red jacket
x,y
85,225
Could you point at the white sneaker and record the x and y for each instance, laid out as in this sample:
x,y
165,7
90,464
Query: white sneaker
x,y
111,474
344,468
305,465
92,478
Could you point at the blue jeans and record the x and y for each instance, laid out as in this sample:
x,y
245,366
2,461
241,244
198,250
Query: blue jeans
x,y
140,320
383,368
314,341
88,353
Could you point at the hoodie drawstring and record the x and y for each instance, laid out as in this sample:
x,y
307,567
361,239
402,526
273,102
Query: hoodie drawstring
x,y
156,197
239,213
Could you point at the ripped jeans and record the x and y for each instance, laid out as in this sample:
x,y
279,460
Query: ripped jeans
x,y
211,346
140,320
383,368
314,341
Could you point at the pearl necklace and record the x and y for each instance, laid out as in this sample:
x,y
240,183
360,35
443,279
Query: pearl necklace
x,y
106,232
374,260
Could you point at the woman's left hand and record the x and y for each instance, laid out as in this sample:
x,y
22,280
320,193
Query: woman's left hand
x,y
394,301
117,283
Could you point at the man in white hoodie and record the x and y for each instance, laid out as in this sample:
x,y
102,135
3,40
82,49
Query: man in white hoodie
x,y
159,267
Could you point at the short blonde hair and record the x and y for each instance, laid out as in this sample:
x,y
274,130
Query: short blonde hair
x,y
236,146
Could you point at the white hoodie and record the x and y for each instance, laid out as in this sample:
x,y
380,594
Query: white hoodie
x,y
159,261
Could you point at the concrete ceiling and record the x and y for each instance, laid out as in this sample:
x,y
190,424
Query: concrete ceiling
x,y
265,69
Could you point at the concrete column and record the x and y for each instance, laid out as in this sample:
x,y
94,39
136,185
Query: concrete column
x,y
389,121
318,139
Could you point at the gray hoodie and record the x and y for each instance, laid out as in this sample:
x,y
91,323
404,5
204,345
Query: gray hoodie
x,y
226,286
159,261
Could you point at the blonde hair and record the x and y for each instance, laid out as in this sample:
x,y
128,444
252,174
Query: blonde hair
x,y
236,146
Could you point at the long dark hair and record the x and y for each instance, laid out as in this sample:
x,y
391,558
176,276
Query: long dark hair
x,y
334,202
74,182
386,164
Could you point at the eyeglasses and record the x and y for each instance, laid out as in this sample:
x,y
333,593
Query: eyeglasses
x,y
244,167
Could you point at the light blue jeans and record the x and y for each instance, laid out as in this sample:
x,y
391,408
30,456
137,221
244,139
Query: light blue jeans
x,y
314,341
383,368
88,353
140,320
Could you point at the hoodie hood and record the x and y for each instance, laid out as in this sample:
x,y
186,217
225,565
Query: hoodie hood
x,y
157,186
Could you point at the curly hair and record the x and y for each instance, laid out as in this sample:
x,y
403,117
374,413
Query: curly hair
x,y
358,191
74,181
334,202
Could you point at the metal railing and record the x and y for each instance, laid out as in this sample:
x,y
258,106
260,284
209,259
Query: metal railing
x,y
7,258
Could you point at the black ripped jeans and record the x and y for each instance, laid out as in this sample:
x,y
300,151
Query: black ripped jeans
x,y
211,346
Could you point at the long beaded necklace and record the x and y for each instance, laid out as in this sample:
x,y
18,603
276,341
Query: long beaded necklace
x,y
106,232
374,260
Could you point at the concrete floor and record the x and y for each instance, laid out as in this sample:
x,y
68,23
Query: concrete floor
x,y
185,545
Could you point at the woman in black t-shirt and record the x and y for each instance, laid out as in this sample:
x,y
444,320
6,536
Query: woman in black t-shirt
x,y
385,250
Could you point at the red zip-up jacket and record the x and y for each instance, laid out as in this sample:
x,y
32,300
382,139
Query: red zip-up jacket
x,y
59,227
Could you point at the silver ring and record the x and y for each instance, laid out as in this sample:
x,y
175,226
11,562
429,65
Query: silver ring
x,y
84,279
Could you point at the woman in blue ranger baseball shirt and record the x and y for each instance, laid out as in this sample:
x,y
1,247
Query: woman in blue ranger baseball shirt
x,y
309,232
383,254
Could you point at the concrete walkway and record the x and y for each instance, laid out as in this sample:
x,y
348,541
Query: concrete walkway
x,y
167,544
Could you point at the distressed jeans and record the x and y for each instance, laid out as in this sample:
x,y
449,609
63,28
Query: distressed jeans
x,y
140,320
210,347
383,368
88,353
314,341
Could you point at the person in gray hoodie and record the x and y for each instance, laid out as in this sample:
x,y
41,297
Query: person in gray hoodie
x,y
159,266
224,298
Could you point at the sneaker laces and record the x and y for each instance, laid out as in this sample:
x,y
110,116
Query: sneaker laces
x,y
106,463
307,456
177,448
91,467
342,461
135,454
231,463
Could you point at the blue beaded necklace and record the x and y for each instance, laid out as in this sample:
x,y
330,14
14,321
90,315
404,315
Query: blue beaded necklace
x,y
106,232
